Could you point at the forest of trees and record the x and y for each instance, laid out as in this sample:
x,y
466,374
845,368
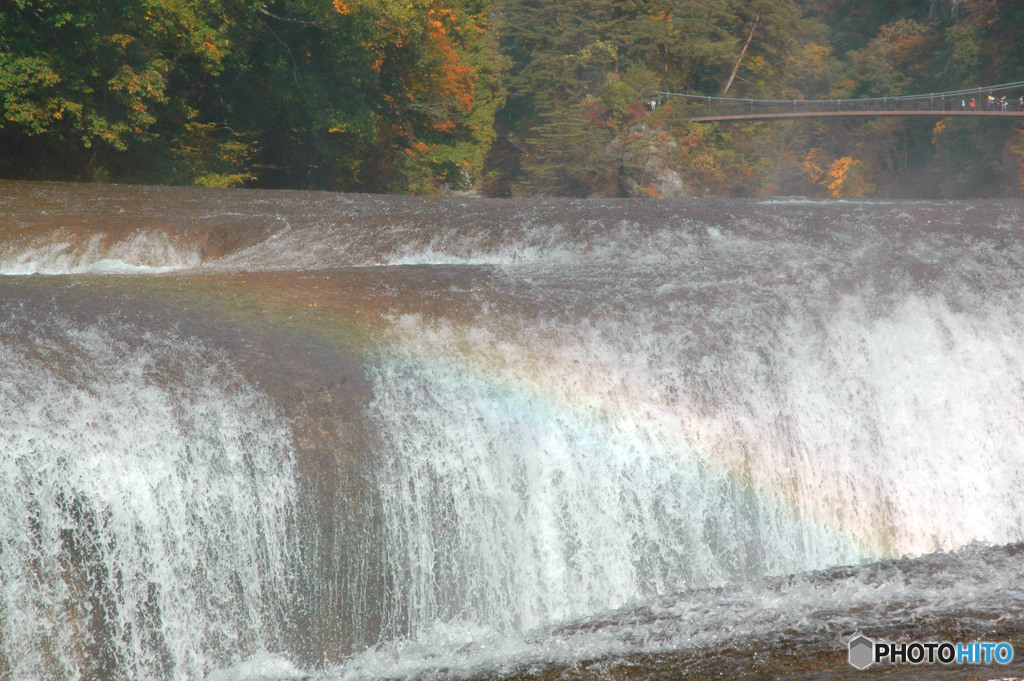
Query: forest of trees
x,y
503,97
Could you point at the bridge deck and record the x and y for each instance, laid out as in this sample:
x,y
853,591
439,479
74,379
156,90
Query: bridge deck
x,y
993,101
937,113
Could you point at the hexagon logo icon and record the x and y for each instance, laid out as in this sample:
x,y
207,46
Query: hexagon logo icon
x,y
862,652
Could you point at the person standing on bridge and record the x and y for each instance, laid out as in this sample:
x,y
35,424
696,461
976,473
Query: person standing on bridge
x,y
972,103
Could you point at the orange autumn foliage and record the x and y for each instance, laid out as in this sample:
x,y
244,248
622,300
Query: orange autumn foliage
x,y
848,178
440,84
454,79
814,165
425,54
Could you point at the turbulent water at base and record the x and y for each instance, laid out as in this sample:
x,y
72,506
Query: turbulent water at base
x,y
259,435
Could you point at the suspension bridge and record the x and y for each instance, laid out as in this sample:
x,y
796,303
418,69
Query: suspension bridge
x,y
1005,101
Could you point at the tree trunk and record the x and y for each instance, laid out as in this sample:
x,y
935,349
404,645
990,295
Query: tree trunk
x,y
732,76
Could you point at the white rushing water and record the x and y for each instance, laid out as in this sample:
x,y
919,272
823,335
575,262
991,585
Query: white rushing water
x,y
536,481
143,252
596,429
811,608
718,407
147,495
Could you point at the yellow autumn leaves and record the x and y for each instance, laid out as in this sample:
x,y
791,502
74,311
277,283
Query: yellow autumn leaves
x,y
844,177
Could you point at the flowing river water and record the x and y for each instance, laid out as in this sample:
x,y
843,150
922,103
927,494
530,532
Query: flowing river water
x,y
283,435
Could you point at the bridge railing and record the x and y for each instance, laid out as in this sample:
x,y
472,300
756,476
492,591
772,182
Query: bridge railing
x,y
1004,97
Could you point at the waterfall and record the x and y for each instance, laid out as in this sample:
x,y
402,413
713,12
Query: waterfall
x,y
534,481
259,435
147,496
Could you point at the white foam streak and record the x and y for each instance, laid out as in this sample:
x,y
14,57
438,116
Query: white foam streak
x,y
261,667
142,253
